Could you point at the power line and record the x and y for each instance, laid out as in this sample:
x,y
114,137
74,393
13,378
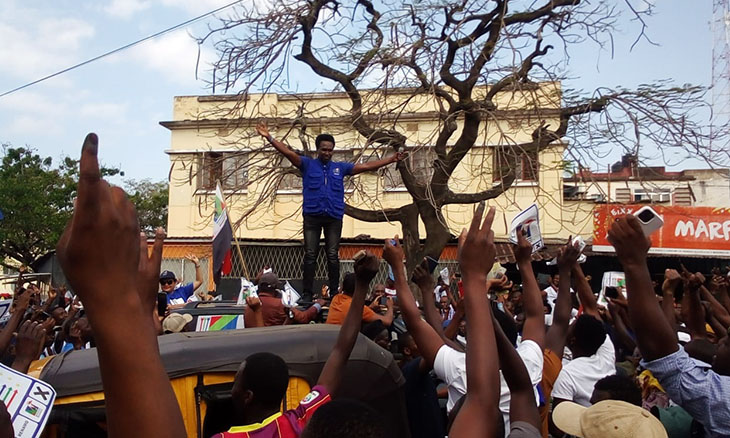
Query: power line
x,y
117,50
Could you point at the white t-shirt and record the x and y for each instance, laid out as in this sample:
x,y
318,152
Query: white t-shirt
x,y
578,377
450,366
552,295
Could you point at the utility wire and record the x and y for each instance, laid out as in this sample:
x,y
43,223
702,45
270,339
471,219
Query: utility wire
x,y
96,58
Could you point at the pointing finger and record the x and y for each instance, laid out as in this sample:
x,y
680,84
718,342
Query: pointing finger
x,y
89,175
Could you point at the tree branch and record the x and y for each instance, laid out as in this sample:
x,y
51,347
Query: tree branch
x,y
471,198
384,215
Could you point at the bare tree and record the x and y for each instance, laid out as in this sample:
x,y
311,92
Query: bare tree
x,y
477,63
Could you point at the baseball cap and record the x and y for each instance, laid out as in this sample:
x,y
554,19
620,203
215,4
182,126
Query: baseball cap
x,y
167,275
268,282
175,322
606,419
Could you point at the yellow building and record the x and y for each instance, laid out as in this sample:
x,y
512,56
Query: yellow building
x,y
213,138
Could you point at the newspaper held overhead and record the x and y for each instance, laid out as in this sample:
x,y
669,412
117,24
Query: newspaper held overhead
x,y
289,296
529,221
28,400
444,274
248,289
610,279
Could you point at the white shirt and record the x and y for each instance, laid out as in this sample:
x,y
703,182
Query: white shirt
x,y
578,377
439,292
552,295
450,366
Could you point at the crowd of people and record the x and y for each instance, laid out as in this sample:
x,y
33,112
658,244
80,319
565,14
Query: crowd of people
x,y
508,358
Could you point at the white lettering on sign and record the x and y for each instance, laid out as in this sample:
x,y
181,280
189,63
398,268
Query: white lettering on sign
x,y
710,231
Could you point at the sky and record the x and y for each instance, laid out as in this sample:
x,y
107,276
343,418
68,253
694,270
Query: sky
x,y
123,97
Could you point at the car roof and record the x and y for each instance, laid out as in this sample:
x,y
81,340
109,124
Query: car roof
x,y
370,373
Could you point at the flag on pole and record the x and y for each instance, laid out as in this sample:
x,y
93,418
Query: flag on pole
x,y
222,236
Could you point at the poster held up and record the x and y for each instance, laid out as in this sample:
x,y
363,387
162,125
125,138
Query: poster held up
x,y
529,221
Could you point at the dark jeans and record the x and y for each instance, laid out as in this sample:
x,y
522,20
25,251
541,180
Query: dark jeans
x,y
313,226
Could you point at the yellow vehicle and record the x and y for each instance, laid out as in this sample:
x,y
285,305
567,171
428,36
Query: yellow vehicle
x,y
202,366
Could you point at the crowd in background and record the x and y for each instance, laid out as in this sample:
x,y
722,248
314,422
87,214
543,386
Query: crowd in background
x,y
481,355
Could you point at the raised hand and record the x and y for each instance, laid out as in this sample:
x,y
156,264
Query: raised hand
x,y
497,284
423,279
100,245
523,249
476,246
671,279
393,253
22,301
366,268
149,269
262,130
99,252
568,256
28,344
254,303
629,240
193,258
399,156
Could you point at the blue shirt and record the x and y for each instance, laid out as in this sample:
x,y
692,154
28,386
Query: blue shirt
x,y
324,186
703,393
180,295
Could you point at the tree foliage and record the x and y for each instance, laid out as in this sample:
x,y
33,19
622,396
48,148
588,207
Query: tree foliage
x,y
150,200
465,56
36,200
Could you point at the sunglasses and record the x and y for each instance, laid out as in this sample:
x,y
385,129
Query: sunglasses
x,y
166,282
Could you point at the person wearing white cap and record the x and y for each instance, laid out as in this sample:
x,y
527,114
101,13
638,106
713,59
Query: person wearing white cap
x,y
176,322
607,419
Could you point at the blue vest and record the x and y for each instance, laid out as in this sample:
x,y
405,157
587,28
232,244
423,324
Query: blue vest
x,y
323,186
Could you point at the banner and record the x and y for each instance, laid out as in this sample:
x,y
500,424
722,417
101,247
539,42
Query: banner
x,y
222,236
687,231
215,323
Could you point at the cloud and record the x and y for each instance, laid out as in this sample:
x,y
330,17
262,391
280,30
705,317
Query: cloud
x,y
126,8
197,6
35,45
174,55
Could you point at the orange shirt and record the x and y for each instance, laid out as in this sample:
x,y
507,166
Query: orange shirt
x,y
339,307
551,368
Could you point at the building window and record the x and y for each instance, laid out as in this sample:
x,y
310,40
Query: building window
x,y
524,163
419,162
652,195
292,177
230,168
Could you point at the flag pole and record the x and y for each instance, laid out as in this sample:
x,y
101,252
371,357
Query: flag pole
x,y
235,239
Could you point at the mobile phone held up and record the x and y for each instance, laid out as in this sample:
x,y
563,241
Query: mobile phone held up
x,y
649,220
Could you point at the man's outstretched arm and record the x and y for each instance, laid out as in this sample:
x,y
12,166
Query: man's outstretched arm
x,y
375,165
425,282
534,328
365,270
429,342
480,411
281,147
585,293
557,334
654,335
